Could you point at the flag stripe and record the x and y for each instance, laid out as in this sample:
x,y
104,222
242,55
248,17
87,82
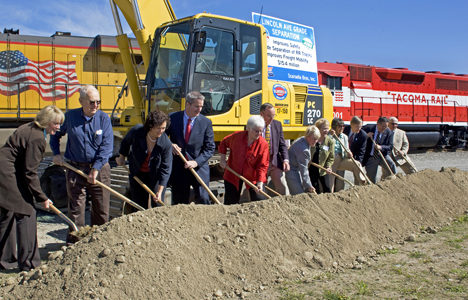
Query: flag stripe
x,y
51,79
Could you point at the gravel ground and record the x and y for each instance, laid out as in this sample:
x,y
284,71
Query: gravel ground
x,y
52,231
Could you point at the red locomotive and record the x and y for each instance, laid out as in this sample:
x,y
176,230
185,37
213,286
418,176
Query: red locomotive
x,y
431,106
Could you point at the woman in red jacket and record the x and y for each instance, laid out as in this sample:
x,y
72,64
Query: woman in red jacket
x,y
249,156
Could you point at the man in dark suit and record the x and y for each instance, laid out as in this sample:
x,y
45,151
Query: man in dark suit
x,y
273,134
383,138
357,139
192,134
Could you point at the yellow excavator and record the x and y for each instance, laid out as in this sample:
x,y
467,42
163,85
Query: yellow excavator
x,y
223,58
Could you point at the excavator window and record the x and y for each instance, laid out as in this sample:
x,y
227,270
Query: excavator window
x,y
214,71
169,61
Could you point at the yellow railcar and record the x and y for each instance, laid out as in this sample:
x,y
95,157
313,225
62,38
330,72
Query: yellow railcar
x,y
37,71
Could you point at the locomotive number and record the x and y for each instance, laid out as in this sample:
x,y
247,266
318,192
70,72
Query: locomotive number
x,y
338,114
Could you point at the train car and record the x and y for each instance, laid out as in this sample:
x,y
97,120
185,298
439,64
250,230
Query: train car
x,y
37,71
431,106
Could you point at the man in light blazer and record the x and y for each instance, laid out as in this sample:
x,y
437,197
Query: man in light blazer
x,y
400,147
383,138
279,159
192,134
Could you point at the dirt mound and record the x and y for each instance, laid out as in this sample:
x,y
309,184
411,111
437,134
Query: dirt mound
x,y
198,252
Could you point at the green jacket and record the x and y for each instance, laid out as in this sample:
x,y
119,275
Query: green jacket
x,y
326,154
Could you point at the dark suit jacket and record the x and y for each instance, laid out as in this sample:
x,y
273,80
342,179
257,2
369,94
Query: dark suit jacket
x,y
134,146
200,147
358,145
386,142
279,150
19,160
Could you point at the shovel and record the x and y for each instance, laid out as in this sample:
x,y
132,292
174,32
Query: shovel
x,y
247,181
384,160
197,177
117,194
272,190
63,217
146,188
354,161
406,158
333,173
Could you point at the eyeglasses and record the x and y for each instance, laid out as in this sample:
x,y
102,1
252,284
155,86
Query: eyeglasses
x,y
97,102
393,123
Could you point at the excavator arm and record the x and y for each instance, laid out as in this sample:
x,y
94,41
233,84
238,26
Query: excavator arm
x,y
143,17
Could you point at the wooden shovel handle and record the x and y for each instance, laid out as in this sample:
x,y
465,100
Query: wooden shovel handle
x,y
354,161
247,181
197,177
272,190
145,187
63,217
117,194
333,173
382,157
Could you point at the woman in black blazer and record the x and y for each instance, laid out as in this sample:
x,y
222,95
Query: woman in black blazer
x,y
149,153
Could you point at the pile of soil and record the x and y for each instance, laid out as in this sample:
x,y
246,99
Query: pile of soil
x,y
202,252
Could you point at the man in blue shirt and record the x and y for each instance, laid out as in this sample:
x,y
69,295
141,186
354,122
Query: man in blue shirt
x,y
89,147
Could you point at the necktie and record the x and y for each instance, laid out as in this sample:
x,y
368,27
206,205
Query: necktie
x,y
188,130
268,136
351,139
377,141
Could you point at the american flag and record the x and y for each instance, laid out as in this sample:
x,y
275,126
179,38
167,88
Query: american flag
x,y
49,78
338,96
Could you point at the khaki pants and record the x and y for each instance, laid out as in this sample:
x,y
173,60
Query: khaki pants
x,y
276,175
339,166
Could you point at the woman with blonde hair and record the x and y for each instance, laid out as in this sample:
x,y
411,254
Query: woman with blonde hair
x,y
20,187
322,154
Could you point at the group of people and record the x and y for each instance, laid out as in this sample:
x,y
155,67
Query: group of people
x,y
322,153
174,150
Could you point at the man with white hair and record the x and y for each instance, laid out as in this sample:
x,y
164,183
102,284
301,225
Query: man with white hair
x,y
400,148
89,146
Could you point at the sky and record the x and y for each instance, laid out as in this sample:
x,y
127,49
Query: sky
x,y
422,35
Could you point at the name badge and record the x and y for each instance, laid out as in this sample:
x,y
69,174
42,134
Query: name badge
x,y
99,132
325,148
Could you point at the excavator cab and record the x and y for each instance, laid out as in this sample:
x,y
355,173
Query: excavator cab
x,y
219,57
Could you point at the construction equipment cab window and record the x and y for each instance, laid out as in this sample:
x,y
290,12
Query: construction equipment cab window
x,y
218,57
214,71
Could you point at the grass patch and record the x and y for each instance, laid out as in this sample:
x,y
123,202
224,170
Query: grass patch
x,y
387,251
324,276
464,264
414,292
455,243
416,254
330,295
462,219
455,288
427,260
461,274
363,288
291,295
397,270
